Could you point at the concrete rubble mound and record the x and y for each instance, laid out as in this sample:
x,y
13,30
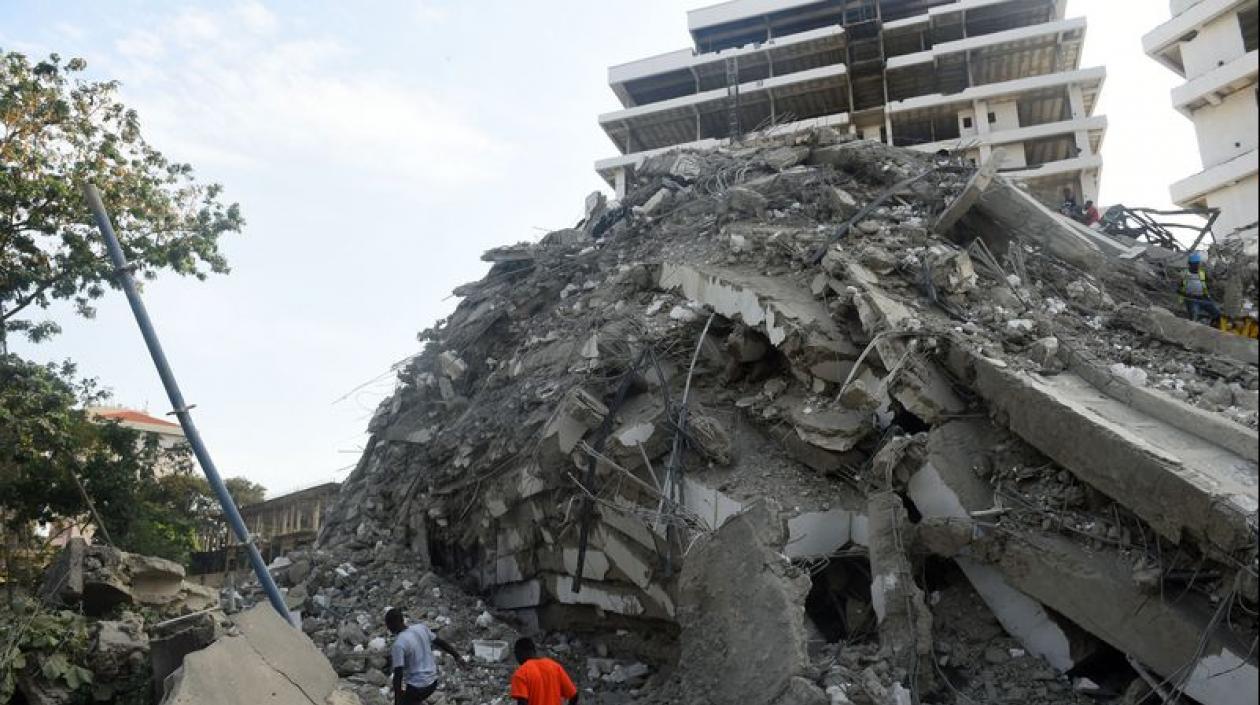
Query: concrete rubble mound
x,y
811,419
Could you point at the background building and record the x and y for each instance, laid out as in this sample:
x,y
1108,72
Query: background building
x,y
170,435
1212,44
925,74
279,525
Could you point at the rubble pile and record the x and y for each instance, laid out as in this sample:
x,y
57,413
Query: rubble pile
x,y
344,604
835,422
103,614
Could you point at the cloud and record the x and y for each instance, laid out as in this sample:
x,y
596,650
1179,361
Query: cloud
x,y
428,11
256,17
290,99
141,45
70,31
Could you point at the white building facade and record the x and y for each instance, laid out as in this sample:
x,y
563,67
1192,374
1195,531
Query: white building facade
x,y
965,75
1212,45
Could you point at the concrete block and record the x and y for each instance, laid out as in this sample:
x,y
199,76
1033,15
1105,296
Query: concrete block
x,y
628,560
837,430
738,566
710,505
595,567
609,598
269,660
628,525
518,595
814,534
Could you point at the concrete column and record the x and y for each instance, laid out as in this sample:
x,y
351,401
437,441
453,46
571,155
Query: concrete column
x,y
1076,99
981,109
1089,186
905,623
619,182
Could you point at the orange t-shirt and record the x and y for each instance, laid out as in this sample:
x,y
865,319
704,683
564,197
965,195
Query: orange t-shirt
x,y
541,681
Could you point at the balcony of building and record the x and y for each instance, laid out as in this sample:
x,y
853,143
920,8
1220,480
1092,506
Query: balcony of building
x,y
798,96
1215,85
1165,42
953,66
960,20
685,72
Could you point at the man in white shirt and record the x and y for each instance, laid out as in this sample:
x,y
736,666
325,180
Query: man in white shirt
x,y
411,657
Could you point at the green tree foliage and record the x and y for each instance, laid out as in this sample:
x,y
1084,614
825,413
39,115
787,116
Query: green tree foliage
x,y
47,438
57,131
49,645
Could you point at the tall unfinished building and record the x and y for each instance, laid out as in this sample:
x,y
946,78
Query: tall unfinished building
x,y
1215,46
927,74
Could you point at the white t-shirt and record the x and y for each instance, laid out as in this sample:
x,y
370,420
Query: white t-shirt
x,y
413,652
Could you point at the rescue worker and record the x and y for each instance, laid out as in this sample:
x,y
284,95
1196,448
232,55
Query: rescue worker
x,y
411,658
538,680
1194,291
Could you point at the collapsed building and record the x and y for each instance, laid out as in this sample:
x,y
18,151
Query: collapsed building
x,y
833,421
802,420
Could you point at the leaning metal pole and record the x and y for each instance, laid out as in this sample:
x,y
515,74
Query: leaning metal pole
x,y
181,410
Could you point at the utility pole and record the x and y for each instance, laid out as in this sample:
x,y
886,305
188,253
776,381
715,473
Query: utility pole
x,y
122,271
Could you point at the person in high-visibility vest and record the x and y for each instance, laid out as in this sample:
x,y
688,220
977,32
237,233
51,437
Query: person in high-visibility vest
x,y
1194,291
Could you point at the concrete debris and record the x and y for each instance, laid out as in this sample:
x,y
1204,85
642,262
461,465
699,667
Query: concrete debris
x,y
1066,468
262,660
718,628
99,579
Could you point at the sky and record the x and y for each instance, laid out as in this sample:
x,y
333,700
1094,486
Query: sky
x,y
377,148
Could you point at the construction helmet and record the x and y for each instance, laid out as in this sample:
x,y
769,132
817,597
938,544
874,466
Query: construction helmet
x,y
1195,258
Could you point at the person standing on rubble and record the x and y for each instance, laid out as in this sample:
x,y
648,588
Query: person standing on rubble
x,y
411,657
540,681
1194,290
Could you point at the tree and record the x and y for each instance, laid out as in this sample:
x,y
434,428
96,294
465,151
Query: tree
x,y
244,492
59,131
47,440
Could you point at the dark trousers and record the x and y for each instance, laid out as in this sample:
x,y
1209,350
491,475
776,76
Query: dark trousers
x,y
415,696
1197,308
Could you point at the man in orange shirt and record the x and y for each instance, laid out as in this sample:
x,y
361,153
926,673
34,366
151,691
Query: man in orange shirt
x,y
538,680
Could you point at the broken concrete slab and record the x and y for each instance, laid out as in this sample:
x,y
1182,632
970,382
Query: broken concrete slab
x,y
266,662
1096,593
1025,570
1177,483
836,430
1018,214
773,307
946,486
1164,325
715,621
1212,428
101,578
173,640
971,193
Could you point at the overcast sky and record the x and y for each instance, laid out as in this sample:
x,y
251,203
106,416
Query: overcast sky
x,y
376,149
